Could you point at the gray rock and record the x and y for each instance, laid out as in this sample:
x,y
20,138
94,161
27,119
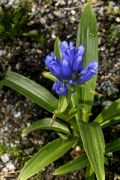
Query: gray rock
x,y
10,166
5,157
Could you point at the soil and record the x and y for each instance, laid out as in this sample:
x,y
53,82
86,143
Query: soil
x,y
26,55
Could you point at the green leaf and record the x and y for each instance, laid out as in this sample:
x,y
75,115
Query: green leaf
x,y
94,145
31,90
49,75
57,125
45,156
87,36
72,112
90,175
57,51
109,116
62,104
114,146
82,161
62,136
78,163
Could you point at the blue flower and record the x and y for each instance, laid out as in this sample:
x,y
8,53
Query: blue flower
x,y
53,65
50,58
60,88
77,65
66,70
80,51
69,70
68,52
87,73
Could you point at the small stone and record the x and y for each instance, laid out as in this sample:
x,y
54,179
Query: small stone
x,y
43,20
17,114
2,52
77,148
109,154
12,145
18,66
5,158
102,48
72,19
10,166
5,169
107,103
40,142
5,128
53,36
60,2
118,19
58,13
28,124
17,142
101,10
73,12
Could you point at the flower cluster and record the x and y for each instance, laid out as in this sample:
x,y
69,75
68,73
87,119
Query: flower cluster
x,y
69,71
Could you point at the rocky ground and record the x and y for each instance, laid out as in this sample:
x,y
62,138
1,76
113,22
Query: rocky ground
x,y
26,56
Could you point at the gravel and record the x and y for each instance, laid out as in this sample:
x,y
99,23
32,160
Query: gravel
x,y
25,55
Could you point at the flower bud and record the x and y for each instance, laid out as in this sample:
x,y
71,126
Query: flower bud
x,y
60,88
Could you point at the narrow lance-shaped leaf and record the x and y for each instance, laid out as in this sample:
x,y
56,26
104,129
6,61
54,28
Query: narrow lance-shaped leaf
x,y
94,145
45,156
57,51
62,104
87,36
46,123
73,165
110,115
31,90
82,161
72,113
90,174
114,146
49,75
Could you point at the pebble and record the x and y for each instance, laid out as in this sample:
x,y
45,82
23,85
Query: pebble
x,y
5,169
107,103
60,2
53,36
5,158
49,19
109,154
2,52
17,114
10,166
118,19
73,12
12,145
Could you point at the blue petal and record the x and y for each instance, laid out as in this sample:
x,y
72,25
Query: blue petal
x,y
93,66
72,56
49,59
54,68
71,45
64,46
65,69
88,72
77,66
53,65
80,51
69,54
60,88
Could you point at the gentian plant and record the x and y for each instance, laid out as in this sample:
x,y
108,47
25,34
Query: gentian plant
x,y
73,70
69,71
